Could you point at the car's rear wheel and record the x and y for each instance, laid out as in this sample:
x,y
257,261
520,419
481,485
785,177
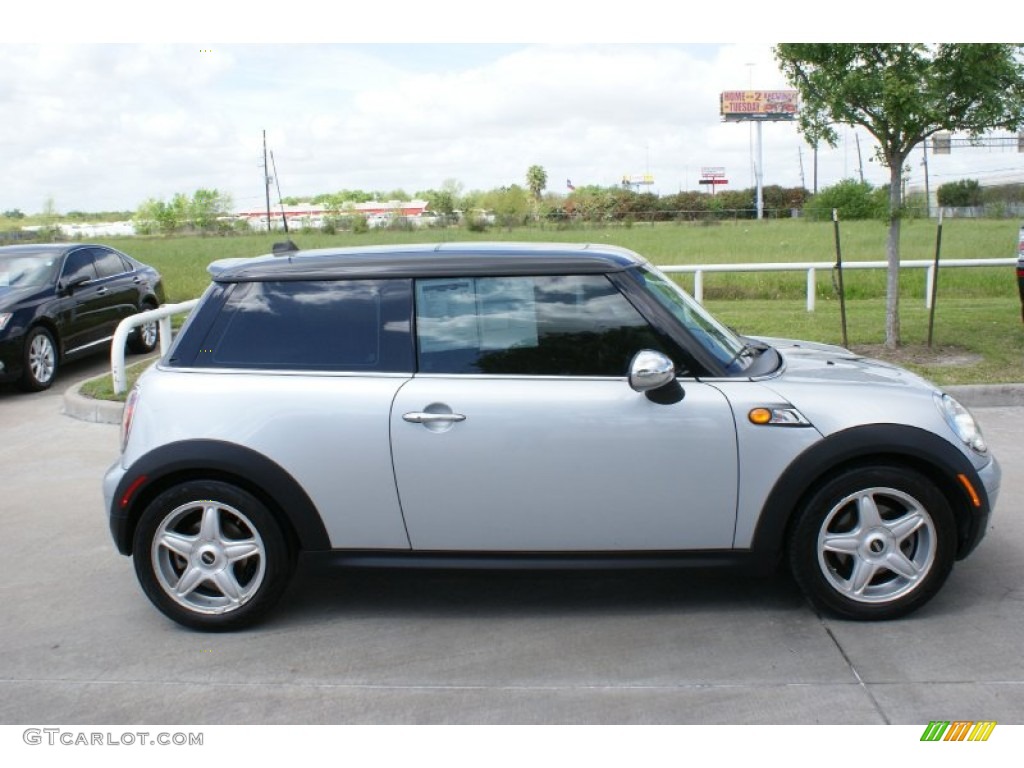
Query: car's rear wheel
x,y
41,358
873,543
211,556
144,338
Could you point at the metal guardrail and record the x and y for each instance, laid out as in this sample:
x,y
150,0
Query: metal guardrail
x,y
163,316
164,313
698,271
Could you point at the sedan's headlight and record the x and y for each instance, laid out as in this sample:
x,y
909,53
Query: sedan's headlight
x,y
961,422
5,318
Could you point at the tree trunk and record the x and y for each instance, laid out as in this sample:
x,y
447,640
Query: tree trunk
x,y
892,253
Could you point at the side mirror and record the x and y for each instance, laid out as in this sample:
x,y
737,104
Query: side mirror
x,y
654,374
68,288
650,370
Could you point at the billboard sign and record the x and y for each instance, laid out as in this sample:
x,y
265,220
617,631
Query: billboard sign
x,y
637,179
759,105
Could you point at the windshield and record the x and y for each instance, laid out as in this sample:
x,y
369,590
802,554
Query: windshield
x,y
722,343
25,270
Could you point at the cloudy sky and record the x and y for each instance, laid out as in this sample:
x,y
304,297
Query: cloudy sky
x,y
101,116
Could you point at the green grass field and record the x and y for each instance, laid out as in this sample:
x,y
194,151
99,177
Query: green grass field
x,y
978,336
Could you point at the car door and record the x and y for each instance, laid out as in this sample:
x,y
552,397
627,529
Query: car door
x,y
520,433
120,286
84,306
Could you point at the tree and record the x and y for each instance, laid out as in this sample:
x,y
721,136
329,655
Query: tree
x,y
510,204
536,181
443,201
901,94
200,212
206,207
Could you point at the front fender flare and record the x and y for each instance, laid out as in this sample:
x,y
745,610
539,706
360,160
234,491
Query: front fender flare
x,y
936,458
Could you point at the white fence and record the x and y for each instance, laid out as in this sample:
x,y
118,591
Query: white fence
x,y
163,314
812,268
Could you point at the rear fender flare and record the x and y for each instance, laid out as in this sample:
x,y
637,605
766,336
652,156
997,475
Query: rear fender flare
x,y
179,462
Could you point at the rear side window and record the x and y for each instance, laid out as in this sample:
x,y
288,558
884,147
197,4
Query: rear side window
x,y
108,263
328,325
575,325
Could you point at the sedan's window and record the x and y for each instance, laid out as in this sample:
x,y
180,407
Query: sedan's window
x,y
78,264
576,325
108,263
352,325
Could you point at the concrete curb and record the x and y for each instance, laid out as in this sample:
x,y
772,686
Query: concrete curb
x,y
78,406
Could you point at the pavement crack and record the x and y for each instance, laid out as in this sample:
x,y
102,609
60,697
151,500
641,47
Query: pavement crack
x,y
853,669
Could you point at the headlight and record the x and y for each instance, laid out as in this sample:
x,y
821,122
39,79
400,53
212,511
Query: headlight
x,y
961,422
5,318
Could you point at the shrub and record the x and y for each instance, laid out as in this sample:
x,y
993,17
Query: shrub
x,y
476,223
965,193
852,199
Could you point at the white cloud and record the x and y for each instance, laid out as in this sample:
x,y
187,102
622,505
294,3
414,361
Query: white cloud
x,y
103,127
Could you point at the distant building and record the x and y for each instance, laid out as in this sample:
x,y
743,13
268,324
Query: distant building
x,y
313,215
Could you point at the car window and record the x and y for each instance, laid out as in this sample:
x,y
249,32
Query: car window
x,y
108,263
576,325
351,325
78,264
717,339
23,270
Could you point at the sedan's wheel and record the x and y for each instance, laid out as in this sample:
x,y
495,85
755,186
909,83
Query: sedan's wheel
x,y
873,543
144,338
40,361
211,556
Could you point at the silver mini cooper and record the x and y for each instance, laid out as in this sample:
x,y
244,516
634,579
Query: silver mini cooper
x,y
525,405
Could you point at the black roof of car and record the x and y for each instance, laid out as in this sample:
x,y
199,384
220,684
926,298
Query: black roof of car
x,y
428,260
37,248
55,248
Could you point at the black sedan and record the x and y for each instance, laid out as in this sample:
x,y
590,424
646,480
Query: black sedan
x,y
61,301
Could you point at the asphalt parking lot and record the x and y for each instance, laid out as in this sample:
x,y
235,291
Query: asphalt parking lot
x,y
82,645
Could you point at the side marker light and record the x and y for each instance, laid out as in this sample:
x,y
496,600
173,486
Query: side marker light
x,y
975,500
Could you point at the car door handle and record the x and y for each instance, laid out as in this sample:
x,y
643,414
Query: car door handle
x,y
418,417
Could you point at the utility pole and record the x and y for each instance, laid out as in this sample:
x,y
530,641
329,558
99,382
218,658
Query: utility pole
x,y
927,192
760,173
860,160
815,190
266,178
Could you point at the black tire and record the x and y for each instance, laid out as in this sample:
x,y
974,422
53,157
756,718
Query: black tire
x,y
144,338
41,360
222,545
873,543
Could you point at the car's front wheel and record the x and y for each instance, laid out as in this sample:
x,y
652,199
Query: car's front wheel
x,y
873,543
40,364
211,556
